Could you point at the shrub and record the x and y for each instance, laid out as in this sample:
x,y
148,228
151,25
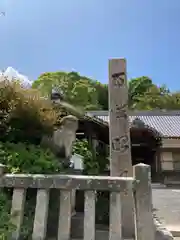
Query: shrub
x,y
24,114
92,164
82,148
24,158
25,117
28,158
6,227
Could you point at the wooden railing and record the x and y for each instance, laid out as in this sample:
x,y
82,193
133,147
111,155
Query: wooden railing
x,y
140,185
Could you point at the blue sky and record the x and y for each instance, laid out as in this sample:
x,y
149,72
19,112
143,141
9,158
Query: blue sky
x,y
51,35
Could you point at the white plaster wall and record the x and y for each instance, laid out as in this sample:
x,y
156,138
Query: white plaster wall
x,y
166,161
170,143
176,158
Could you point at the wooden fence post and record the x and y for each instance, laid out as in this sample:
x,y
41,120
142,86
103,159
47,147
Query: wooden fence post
x,y
144,224
119,138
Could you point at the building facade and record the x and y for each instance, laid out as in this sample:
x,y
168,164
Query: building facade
x,y
155,140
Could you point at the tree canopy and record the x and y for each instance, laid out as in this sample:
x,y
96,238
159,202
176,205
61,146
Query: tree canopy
x,y
93,95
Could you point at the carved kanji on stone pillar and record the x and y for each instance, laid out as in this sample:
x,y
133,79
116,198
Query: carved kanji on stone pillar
x,y
118,79
120,144
120,150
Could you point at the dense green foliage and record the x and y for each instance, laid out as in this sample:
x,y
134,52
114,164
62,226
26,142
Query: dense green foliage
x,y
25,116
92,95
145,95
24,158
6,227
94,163
28,158
82,148
76,89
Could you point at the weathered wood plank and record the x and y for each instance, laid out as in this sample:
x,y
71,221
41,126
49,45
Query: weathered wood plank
x,y
17,210
41,215
89,215
115,217
64,226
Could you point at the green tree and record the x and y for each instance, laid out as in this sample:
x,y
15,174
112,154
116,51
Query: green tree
x,y
138,86
89,94
173,101
102,95
145,95
137,89
75,89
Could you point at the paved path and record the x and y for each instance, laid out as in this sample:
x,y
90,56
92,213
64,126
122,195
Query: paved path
x,y
167,203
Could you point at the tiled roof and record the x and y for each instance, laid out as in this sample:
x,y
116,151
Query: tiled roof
x,y
167,123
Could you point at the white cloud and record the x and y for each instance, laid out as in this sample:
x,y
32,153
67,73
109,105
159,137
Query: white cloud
x,y
13,74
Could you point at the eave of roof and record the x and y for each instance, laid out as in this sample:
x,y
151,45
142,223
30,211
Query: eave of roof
x,y
166,123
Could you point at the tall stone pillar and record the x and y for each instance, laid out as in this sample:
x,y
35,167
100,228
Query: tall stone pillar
x,y
120,150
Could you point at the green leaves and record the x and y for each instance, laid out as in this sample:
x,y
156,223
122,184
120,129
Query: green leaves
x,y
77,90
92,95
6,227
24,114
145,95
27,158
82,148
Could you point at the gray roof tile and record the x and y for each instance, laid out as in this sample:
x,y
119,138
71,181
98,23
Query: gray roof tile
x,y
166,123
